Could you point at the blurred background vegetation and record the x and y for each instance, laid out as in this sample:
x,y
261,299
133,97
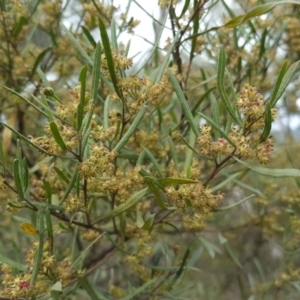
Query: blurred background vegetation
x,y
108,188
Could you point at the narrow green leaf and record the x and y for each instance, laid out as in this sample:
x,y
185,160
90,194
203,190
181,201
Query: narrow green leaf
x,y
96,73
155,190
225,182
149,222
114,243
109,57
80,107
19,26
25,173
77,45
284,83
282,72
201,99
164,65
2,159
235,22
13,263
70,187
221,89
90,38
210,247
260,269
131,202
76,264
139,219
139,290
255,12
262,49
55,291
183,102
114,39
25,139
47,189
61,175
173,153
39,252
232,205
195,22
215,114
49,227
177,181
43,78
26,100
215,126
39,60
233,256
132,128
270,172
106,112
181,267
185,8
268,123
17,177
154,161
57,137
83,282
47,206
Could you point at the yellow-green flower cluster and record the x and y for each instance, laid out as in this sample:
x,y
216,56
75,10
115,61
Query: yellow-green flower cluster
x,y
99,162
251,104
242,142
51,271
196,202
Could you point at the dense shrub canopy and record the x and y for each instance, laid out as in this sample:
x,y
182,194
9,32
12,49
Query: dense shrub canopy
x,y
168,175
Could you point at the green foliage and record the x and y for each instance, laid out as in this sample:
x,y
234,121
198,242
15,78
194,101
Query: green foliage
x,y
143,179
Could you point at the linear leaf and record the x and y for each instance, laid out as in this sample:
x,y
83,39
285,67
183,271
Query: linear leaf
x,y
84,283
215,114
225,182
156,191
90,38
233,205
76,264
26,100
255,12
177,181
38,60
25,138
270,172
61,175
13,263
284,83
40,250
17,177
49,227
77,45
56,134
220,86
268,123
109,57
96,73
154,161
183,102
131,202
282,72
215,126
2,159
139,290
130,131
80,107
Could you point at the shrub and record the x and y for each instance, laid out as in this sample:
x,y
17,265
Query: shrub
x,y
125,179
